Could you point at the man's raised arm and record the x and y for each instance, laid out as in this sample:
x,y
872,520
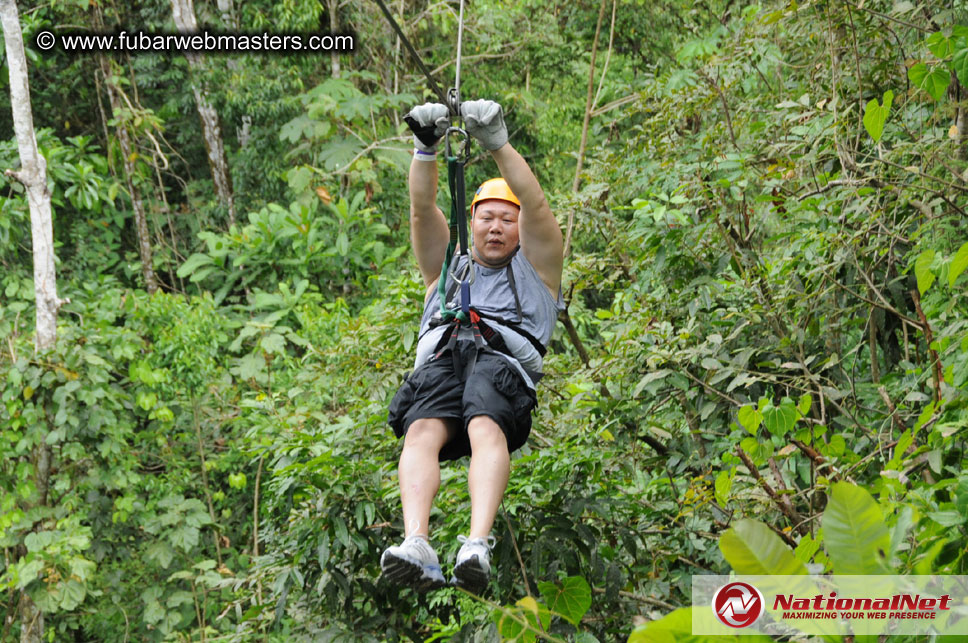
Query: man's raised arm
x,y
540,234
429,232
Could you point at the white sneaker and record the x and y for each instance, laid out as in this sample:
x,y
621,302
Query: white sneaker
x,y
473,567
413,564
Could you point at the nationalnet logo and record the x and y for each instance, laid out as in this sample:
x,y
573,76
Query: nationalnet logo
x,y
830,605
898,606
738,604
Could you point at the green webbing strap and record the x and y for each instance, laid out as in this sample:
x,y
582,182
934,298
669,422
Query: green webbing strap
x,y
458,238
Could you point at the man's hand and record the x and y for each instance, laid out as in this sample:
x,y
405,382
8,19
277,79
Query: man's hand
x,y
428,122
485,122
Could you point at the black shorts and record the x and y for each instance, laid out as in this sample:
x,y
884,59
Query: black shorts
x,y
494,388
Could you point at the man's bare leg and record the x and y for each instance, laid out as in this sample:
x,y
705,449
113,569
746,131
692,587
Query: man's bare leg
x,y
487,477
419,472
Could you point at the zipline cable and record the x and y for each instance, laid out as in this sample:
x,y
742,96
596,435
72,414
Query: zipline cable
x,y
454,94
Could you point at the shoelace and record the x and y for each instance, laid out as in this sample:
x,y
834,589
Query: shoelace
x,y
488,542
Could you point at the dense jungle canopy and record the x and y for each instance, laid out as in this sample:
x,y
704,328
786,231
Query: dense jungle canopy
x,y
763,364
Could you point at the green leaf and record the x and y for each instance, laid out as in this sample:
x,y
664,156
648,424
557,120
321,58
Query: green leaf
x,y
252,366
147,401
237,480
511,620
750,418
724,483
273,343
806,548
959,36
72,594
751,547
676,627
780,420
571,600
160,552
184,538
837,445
959,262
648,379
804,405
28,572
961,495
934,81
299,178
855,536
154,612
193,263
960,64
922,270
947,518
875,115
939,45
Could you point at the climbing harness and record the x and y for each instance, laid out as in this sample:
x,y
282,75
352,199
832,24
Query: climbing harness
x,y
484,334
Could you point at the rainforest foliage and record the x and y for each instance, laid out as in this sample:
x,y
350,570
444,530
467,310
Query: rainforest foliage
x,y
763,365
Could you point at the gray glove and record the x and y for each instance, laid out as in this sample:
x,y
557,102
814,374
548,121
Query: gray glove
x,y
485,122
428,122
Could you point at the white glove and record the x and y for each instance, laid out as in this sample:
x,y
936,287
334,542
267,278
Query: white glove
x,y
428,122
485,122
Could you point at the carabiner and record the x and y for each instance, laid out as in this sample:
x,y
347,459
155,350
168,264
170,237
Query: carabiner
x,y
471,268
465,153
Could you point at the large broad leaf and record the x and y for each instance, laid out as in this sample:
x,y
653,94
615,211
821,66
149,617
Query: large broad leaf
x,y
875,115
958,264
750,547
339,152
922,270
854,533
519,623
939,45
571,600
750,418
934,81
192,263
960,65
780,420
676,627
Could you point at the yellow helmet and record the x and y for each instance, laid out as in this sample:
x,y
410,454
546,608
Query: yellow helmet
x,y
494,189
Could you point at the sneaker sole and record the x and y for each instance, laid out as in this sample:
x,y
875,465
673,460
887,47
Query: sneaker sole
x,y
471,576
407,573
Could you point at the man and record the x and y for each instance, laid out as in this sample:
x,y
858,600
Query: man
x,y
463,397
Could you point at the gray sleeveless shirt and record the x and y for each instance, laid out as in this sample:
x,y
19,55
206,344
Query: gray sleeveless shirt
x,y
491,294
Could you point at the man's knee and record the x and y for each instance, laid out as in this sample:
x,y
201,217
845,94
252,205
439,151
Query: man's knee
x,y
483,431
427,433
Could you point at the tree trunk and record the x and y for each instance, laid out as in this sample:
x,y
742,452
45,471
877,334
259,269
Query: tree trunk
x,y
130,170
183,12
333,24
33,175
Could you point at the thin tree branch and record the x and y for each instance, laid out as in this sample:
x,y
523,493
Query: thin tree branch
x,y
584,127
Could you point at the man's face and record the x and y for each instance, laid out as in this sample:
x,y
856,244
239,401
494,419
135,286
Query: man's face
x,y
494,225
